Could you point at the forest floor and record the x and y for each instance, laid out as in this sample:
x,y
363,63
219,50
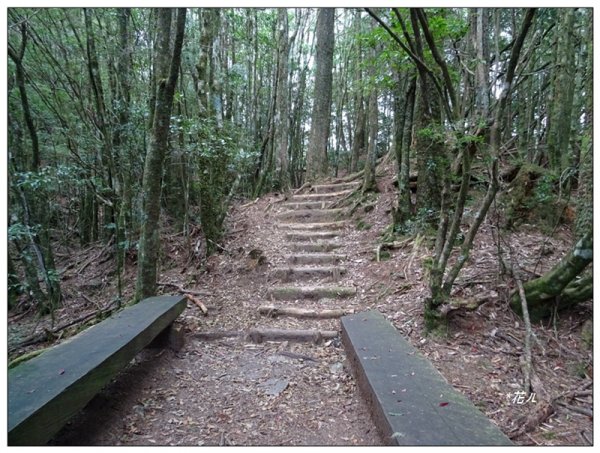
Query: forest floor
x,y
232,392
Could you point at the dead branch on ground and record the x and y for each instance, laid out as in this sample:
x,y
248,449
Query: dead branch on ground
x,y
181,289
198,303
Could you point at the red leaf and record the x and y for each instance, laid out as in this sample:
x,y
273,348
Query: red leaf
x,y
443,404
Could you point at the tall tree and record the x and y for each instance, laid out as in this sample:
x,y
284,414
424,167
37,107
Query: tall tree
x,y
282,100
369,183
559,119
316,156
168,59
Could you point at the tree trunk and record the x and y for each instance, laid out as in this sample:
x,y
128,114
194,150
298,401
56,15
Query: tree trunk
x,y
103,126
403,118
282,102
559,288
358,142
429,143
369,183
316,157
17,58
167,72
562,97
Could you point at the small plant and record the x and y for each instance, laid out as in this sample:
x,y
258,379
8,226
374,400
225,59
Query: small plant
x,y
361,225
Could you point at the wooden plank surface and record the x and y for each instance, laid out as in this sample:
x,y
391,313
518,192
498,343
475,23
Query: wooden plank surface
x,y
45,392
411,402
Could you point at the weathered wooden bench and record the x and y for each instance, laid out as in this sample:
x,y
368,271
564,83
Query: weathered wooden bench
x,y
411,402
46,391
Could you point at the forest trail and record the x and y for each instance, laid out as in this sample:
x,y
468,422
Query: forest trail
x,y
249,373
256,383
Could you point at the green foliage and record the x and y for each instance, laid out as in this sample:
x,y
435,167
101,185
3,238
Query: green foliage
x,y
217,157
362,225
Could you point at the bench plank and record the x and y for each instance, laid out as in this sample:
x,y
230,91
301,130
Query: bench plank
x,y
45,392
411,402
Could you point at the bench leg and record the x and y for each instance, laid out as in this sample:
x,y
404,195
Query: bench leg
x,y
172,337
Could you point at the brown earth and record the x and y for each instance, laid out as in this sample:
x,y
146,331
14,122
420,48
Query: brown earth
x,y
233,392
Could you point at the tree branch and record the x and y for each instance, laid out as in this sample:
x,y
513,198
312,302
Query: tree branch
x,y
437,57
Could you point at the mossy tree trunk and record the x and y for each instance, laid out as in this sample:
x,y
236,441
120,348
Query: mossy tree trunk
x,y
559,288
369,183
167,72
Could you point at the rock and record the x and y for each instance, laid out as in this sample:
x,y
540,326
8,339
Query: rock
x,y
336,368
274,387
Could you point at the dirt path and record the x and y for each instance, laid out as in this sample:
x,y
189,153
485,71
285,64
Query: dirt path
x,y
236,392
290,393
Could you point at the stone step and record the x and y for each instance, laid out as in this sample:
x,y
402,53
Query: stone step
x,y
314,258
321,247
308,236
312,214
314,226
332,188
310,292
306,273
330,196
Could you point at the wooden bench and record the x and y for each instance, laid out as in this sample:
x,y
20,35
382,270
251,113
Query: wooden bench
x,y
46,391
411,402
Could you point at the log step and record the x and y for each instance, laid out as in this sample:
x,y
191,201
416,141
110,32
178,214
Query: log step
x,y
331,196
305,273
303,313
314,258
333,188
311,292
312,214
314,226
307,204
260,335
310,236
320,247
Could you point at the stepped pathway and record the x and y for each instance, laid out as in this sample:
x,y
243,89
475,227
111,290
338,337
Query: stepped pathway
x,y
313,284
264,387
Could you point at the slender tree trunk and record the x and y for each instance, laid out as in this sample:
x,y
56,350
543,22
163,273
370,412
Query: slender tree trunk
x,y
359,140
168,62
369,183
403,141
282,101
17,58
104,127
121,142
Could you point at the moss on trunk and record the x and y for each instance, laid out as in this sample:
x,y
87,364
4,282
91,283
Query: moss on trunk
x,y
559,288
